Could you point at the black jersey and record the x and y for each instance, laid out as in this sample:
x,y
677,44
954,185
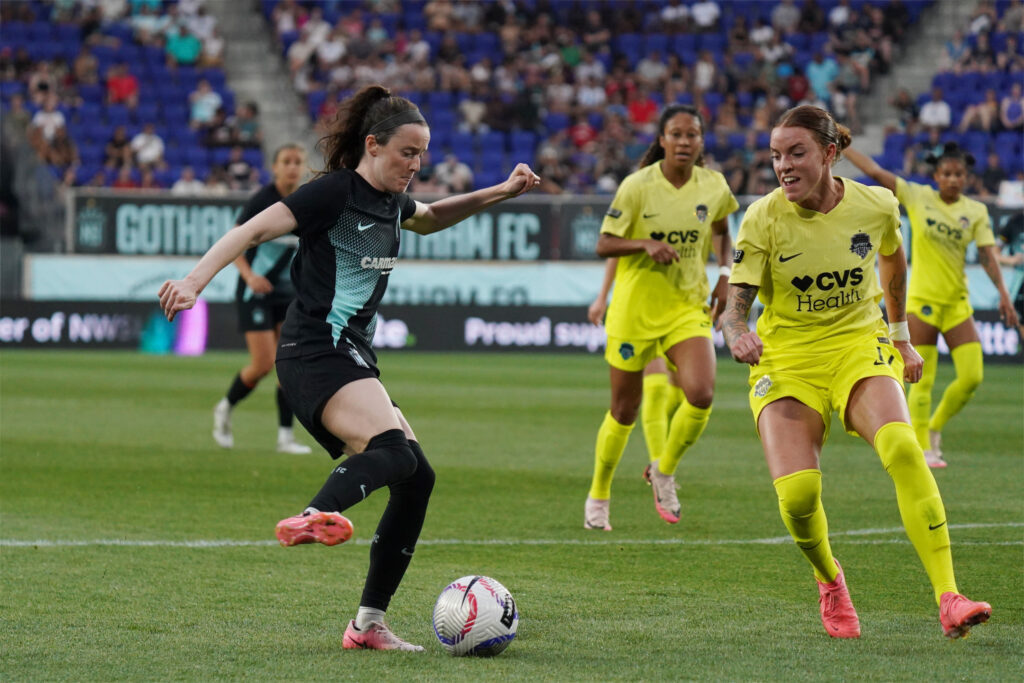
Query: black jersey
x,y
348,243
272,259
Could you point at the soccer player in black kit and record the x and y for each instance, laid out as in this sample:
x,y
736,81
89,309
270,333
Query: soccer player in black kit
x,y
347,220
264,291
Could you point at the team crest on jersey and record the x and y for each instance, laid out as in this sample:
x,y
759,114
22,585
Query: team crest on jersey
x,y
701,212
626,351
860,244
965,223
762,386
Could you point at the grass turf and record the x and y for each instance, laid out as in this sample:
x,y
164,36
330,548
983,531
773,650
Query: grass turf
x,y
116,447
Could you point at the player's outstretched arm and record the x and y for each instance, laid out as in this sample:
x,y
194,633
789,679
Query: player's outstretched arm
x,y
444,213
178,295
744,344
892,270
870,167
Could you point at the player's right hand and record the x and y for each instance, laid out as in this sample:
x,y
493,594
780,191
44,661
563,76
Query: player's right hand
x,y
595,313
175,296
660,252
747,348
259,284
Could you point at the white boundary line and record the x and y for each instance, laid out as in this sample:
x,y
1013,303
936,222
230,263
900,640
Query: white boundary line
x,y
228,543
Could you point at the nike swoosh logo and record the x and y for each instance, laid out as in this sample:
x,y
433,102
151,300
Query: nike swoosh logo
x,y
933,528
783,259
362,227
406,552
650,215
362,487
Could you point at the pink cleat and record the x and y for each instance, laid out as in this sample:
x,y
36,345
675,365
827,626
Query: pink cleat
x,y
328,528
377,637
837,612
666,502
958,614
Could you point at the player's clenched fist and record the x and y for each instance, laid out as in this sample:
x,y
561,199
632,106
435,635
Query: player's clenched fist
x,y
175,296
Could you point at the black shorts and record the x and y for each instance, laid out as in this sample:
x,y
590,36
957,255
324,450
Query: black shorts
x,y
257,315
310,381
1018,303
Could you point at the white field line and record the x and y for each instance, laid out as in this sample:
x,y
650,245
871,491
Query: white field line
x,y
228,543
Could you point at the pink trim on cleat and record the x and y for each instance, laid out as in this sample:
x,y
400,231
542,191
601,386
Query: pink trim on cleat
x,y
329,528
957,614
837,613
377,637
666,502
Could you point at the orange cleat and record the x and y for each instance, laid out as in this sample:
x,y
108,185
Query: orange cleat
x,y
837,612
329,528
958,614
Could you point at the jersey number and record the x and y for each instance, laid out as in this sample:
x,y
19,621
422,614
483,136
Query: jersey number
x,y
881,357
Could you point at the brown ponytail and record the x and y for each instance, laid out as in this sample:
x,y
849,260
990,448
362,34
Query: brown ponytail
x,y
821,124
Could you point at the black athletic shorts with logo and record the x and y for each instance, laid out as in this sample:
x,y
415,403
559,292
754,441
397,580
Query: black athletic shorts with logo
x,y
258,314
310,381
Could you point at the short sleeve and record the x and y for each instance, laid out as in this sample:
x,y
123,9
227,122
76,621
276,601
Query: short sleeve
x,y
751,254
318,198
904,192
620,215
406,206
983,235
729,203
892,236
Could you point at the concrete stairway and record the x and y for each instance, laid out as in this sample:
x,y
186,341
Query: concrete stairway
x,y
256,72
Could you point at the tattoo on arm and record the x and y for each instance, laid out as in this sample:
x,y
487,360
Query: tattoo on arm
x,y
898,296
737,309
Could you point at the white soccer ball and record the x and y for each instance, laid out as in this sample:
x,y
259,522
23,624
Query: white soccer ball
x,y
475,616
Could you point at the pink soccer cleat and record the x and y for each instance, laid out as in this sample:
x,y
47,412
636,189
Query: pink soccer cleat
x,y
666,502
837,612
958,614
329,528
377,637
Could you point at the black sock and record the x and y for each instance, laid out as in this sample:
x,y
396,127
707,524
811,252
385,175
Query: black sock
x,y
387,459
238,390
399,529
284,410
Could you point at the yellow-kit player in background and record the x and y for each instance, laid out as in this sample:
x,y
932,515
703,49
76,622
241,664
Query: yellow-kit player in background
x,y
661,226
942,223
809,250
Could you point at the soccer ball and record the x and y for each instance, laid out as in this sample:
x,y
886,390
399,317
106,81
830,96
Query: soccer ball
x,y
475,616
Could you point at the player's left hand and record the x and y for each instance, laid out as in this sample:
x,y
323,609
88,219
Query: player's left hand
x,y
521,179
912,361
719,295
175,296
1007,312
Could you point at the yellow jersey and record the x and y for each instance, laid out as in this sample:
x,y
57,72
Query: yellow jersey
x,y
816,272
648,295
939,235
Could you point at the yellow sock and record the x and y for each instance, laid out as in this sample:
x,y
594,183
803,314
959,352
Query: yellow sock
x,y
802,513
919,396
924,517
686,426
611,441
659,404
967,359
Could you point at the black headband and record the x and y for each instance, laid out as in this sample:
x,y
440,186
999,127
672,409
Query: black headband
x,y
396,120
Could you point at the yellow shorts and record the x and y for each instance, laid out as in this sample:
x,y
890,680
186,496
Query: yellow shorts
x,y
942,317
823,380
633,355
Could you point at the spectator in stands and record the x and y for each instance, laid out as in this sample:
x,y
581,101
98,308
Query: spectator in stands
x,y
45,123
202,24
17,114
148,148
982,115
238,169
183,47
287,16
705,72
591,95
187,184
936,113
204,102
1010,59
331,50
986,184
300,52
643,111
596,35
957,52
839,15
785,17
454,174
41,83
61,150
125,179
1011,109
896,20
1012,20
652,70
149,181
674,17
821,71
471,111
812,18
117,152
212,55
85,68
122,86
705,15
149,25
903,102
220,132
982,57
983,19
216,182
247,125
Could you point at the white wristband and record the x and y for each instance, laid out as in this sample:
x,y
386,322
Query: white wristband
x,y
899,332
724,271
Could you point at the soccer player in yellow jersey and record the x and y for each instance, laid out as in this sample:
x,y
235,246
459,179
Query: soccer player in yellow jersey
x,y
661,226
809,250
942,223
661,392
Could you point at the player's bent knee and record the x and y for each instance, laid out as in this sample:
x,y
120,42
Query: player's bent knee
x,y
897,446
799,493
393,446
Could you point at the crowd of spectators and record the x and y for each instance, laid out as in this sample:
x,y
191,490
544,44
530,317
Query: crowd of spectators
x,y
590,95
83,80
976,100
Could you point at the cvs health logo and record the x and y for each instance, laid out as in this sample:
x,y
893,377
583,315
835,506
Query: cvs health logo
x,y
677,236
826,282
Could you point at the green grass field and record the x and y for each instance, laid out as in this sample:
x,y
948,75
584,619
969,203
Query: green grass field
x,y
110,484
